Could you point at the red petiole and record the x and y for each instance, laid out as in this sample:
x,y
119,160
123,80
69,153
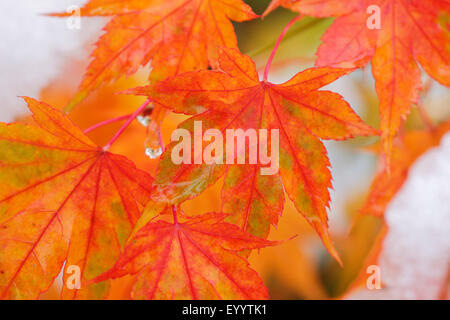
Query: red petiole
x,y
126,124
277,44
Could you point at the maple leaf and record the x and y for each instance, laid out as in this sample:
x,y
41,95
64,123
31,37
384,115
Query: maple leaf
x,y
410,31
62,198
190,258
176,35
407,149
235,98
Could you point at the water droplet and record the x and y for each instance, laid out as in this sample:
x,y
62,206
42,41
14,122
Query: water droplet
x,y
153,153
144,120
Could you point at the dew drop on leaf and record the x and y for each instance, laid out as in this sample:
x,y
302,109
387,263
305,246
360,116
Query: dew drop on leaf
x,y
144,120
153,153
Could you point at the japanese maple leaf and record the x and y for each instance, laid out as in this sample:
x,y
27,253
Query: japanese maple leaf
x,y
407,149
176,35
190,258
62,198
235,98
411,31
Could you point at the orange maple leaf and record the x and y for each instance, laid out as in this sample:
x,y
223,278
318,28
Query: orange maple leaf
x,y
176,35
62,198
190,258
410,31
235,98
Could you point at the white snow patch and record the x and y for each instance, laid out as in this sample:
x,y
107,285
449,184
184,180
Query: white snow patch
x,y
34,48
416,251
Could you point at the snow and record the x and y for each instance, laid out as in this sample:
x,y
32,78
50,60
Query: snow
x,y
416,252
34,47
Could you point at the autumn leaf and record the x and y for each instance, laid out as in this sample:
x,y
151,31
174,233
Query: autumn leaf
x,y
62,199
190,258
235,98
410,32
176,36
407,149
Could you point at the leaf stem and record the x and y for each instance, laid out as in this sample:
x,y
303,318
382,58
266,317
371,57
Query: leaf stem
x,y
174,212
106,122
277,44
126,124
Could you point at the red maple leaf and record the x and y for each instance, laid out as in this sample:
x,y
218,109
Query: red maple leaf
x,y
236,98
62,198
176,36
190,258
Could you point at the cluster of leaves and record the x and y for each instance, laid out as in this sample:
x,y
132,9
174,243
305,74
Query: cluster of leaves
x,y
65,200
